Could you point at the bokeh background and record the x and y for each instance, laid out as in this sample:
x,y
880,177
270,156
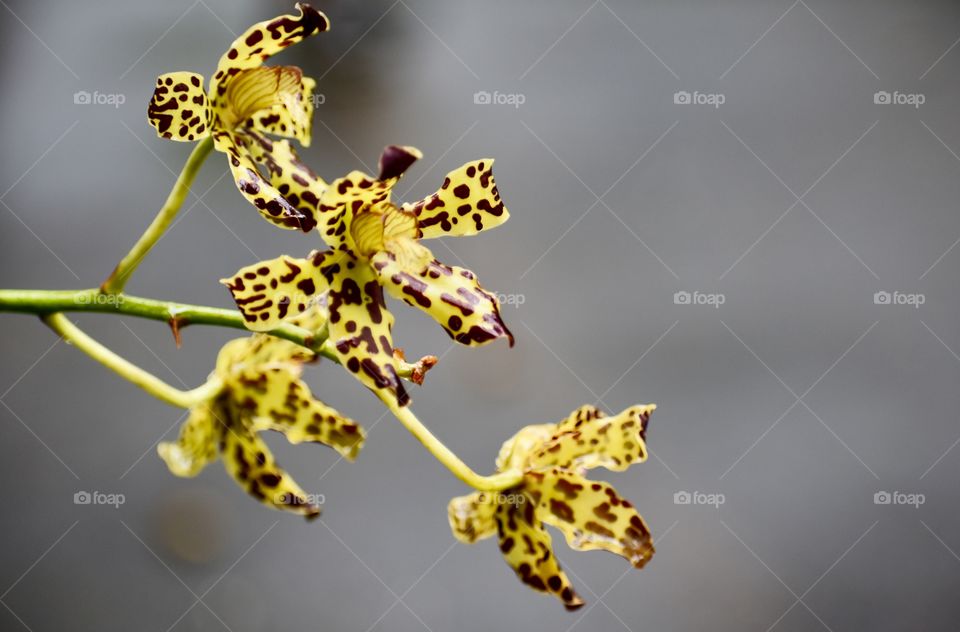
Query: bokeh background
x,y
798,399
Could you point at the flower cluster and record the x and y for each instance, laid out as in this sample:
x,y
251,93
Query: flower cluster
x,y
372,245
591,515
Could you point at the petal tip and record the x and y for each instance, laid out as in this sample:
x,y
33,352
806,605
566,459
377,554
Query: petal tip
x,y
396,159
313,21
574,605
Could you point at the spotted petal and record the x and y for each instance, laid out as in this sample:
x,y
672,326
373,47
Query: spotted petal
x,y
360,326
472,516
587,439
270,291
250,462
273,206
293,179
451,295
276,399
468,202
197,445
590,514
179,109
265,39
526,547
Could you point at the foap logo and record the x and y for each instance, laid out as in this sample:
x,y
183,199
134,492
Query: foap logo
x,y
516,99
716,99
287,498
99,298
698,298
899,498
515,300
99,498
116,99
500,498
318,98
699,498
899,298
915,99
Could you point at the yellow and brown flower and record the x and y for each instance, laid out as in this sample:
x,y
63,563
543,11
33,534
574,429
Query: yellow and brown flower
x,y
246,101
553,459
262,390
375,244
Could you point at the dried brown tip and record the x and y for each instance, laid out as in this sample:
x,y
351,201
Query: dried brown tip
x,y
420,368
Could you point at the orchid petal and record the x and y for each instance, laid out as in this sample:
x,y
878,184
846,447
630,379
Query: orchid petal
x,y
264,39
276,399
527,548
360,328
590,514
467,203
472,516
395,160
273,206
587,439
179,109
249,461
451,295
197,445
291,177
268,292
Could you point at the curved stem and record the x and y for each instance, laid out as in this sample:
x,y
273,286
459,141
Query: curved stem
x,y
147,381
494,483
121,274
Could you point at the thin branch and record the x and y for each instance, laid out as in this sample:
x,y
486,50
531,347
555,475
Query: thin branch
x,y
121,274
129,371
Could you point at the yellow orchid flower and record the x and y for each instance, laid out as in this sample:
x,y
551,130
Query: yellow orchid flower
x,y
374,244
246,100
554,491
262,390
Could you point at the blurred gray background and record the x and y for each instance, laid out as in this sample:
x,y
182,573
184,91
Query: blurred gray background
x,y
799,398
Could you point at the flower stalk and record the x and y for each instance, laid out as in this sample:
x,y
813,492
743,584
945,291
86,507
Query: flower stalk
x,y
181,188
495,483
129,371
177,315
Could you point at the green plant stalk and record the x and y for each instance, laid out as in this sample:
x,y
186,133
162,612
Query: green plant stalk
x,y
176,315
181,188
494,483
147,381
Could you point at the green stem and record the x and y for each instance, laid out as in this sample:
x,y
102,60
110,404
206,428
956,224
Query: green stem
x,y
147,381
177,315
181,188
494,483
